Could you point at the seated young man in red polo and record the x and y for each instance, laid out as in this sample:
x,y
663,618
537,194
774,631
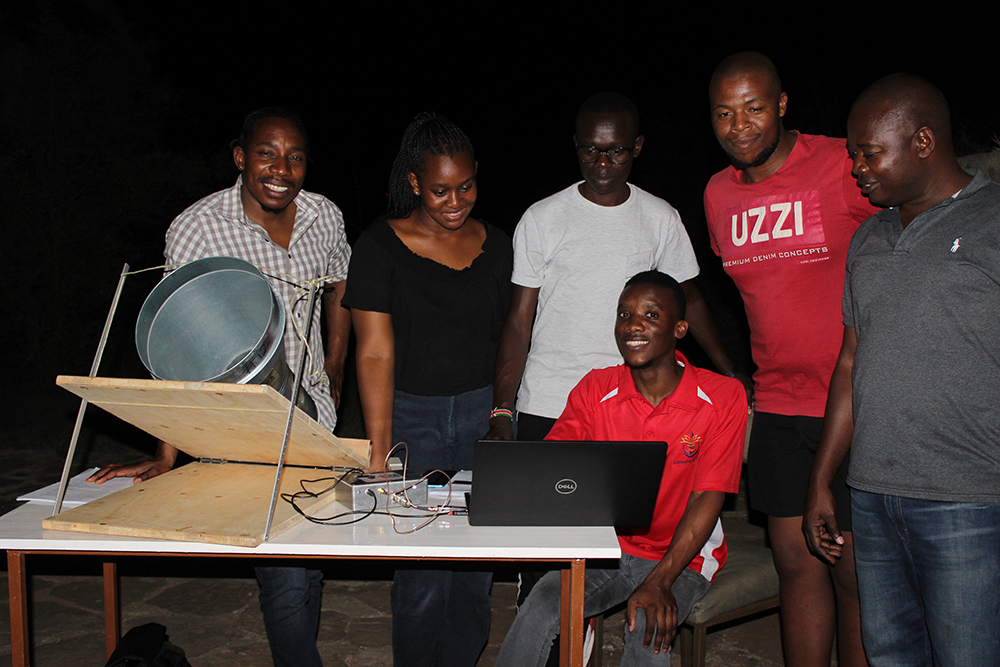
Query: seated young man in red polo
x,y
654,395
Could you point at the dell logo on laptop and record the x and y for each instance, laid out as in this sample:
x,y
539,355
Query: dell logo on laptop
x,y
565,486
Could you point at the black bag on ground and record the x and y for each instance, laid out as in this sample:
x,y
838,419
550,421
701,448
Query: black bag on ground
x,y
147,646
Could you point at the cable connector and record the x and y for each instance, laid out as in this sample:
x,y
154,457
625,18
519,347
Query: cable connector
x,y
385,485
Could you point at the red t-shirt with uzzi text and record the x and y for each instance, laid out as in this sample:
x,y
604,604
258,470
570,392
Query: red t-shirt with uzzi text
x,y
784,242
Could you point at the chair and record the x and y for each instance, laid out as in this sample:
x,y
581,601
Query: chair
x,y
747,585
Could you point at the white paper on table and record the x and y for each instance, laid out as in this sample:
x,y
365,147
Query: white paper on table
x,y
78,492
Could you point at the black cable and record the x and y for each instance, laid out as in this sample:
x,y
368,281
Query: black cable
x,y
292,498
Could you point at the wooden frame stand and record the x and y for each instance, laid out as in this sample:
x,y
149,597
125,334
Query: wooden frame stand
x,y
237,432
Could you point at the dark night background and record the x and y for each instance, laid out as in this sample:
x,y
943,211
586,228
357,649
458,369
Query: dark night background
x,y
115,116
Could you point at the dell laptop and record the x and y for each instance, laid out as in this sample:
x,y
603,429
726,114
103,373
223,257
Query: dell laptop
x,y
563,483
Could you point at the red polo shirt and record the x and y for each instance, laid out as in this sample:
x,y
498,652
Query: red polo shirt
x,y
704,425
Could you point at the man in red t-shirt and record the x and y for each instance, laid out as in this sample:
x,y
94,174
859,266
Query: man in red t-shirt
x,y
781,219
656,395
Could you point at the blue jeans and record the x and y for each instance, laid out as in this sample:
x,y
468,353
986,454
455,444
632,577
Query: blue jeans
x,y
440,431
440,617
929,580
290,601
537,622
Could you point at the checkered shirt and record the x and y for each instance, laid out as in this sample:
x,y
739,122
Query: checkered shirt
x,y
217,226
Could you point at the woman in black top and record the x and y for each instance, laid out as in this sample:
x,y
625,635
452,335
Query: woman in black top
x,y
428,288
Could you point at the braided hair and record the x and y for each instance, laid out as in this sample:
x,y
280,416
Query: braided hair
x,y
428,134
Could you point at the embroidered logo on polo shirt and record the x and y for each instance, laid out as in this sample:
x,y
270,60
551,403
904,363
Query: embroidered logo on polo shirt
x,y
957,244
690,444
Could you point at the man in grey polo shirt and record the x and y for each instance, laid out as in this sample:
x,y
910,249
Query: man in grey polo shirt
x,y
915,394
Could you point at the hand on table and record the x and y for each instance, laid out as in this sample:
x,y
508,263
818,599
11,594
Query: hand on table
x,y
140,471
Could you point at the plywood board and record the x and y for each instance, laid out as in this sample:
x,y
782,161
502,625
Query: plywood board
x,y
199,502
235,422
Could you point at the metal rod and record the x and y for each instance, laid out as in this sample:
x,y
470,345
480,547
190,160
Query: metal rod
x,y
300,364
83,402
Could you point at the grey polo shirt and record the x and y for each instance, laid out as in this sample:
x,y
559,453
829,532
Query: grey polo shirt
x,y
925,304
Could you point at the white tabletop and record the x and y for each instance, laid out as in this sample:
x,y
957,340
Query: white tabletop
x,y
448,537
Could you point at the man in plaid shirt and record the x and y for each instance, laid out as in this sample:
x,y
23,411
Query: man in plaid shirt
x,y
293,236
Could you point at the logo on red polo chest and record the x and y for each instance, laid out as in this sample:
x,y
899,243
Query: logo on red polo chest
x,y
690,444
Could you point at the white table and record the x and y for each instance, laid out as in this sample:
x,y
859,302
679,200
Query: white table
x,y
448,538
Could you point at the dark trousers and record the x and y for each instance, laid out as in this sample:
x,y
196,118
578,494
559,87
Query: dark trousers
x,y
440,617
290,601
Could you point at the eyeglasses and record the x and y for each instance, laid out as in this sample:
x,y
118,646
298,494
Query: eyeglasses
x,y
617,155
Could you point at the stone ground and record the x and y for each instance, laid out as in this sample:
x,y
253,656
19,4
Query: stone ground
x,y
209,606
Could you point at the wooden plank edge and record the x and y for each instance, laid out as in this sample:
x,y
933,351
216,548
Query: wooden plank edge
x,y
57,523
54,523
67,381
359,450
361,447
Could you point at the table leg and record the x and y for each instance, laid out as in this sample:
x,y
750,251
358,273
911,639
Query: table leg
x,y
17,583
112,608
571,622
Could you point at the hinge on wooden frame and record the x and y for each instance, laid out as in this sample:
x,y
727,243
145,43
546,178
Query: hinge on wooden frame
x,y
208,459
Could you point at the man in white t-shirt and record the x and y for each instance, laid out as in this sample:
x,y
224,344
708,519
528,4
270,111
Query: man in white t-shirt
x,y
571,251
